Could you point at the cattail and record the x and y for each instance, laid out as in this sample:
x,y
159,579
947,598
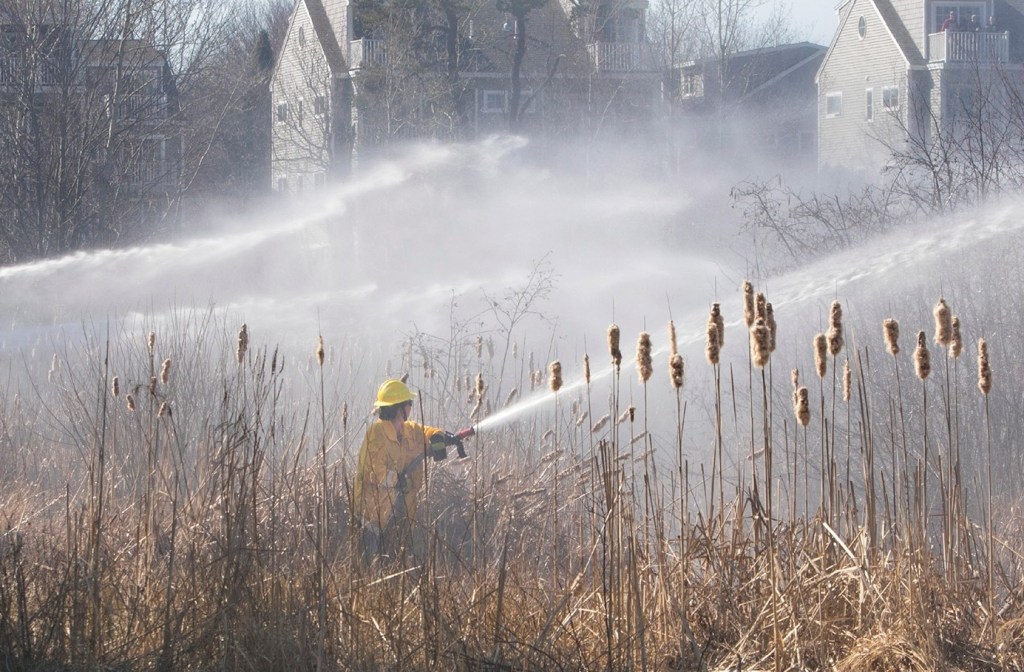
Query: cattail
x,y
712,349
644,364
599,425
759,343
956,343
550,434
152,386
639,437
820,354
151,342
344,417
922,358
891,331
769,321
586,369
631,410
479,347
115,387
320,351
165,410
243,343
943,323
613,346
626,415
583,418
555,381
129,401
716,317
165,371
760,304
835,329
404,378
984,370
480,386
475,413
796,384
847,380
748,303
802,407
511,396
673,347
675,370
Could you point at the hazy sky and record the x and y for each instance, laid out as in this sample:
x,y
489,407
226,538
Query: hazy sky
x,y
814,20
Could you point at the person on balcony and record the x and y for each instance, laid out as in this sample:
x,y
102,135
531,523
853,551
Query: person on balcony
x,y
973,26
949,23
990,26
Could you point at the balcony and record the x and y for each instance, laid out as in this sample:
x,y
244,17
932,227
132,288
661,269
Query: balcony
x,y
620,56
10,67
365,53
963,47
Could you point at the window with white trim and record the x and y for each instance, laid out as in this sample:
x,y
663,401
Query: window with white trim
x,y
833,104
320,105
282,113
869,104
493,102
891,97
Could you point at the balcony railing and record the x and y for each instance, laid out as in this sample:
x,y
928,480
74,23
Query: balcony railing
x,y
964,47
366,52
620,56
10,67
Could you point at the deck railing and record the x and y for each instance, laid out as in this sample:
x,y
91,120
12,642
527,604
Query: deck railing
x,y
366,52
620,56
967,47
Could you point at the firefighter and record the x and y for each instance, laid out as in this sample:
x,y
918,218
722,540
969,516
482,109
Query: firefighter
x,y
390,470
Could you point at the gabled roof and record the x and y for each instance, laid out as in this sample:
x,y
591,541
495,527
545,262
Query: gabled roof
x,y
899,32
326,37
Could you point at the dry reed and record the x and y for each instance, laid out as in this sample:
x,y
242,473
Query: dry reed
x,y
759,343
613,346
644,363
802,406
748,303
835,329
675,368
956,343
943,323
821,354
891,334
165,371
922,358
984,369
243,343
555,379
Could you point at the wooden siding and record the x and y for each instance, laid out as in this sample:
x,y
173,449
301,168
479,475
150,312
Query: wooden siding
x,y
852,66
912,12
302,141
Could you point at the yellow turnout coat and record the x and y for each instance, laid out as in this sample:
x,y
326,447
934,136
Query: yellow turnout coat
x,y
382,457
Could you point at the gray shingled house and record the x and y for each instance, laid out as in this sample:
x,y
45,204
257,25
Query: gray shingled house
x,y
900,72
355,79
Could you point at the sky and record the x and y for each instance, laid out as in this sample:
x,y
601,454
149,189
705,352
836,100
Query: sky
x,y
815,19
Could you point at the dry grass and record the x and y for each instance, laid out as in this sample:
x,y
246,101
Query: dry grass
x,y
209,526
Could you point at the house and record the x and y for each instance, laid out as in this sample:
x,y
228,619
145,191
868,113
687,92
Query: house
x,y
893,80
354,79
89,144
761,101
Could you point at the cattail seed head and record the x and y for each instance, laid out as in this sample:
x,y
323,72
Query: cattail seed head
x,y
511,396
759,340
644,363
769,321
795,376
344,417
847,380
802,407
165,371
984,369
152,386
151,342
129,401
480,386
835,329
479,347
821,354
891,332
613,346
243,343
956,343
115,387
631,410
922,358
555,379
599,425
673,346
943,323
675,370
164,411
716,317
320,351
711,349
586,369
748,303
760,304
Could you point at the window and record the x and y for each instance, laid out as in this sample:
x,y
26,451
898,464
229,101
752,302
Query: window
x,y
869,103
299,113
891,97
493,102
833,104
962,11
302,36
282,113
862,27
320,105
692,85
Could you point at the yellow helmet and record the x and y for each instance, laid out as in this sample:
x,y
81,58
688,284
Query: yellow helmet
x,y
393,392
